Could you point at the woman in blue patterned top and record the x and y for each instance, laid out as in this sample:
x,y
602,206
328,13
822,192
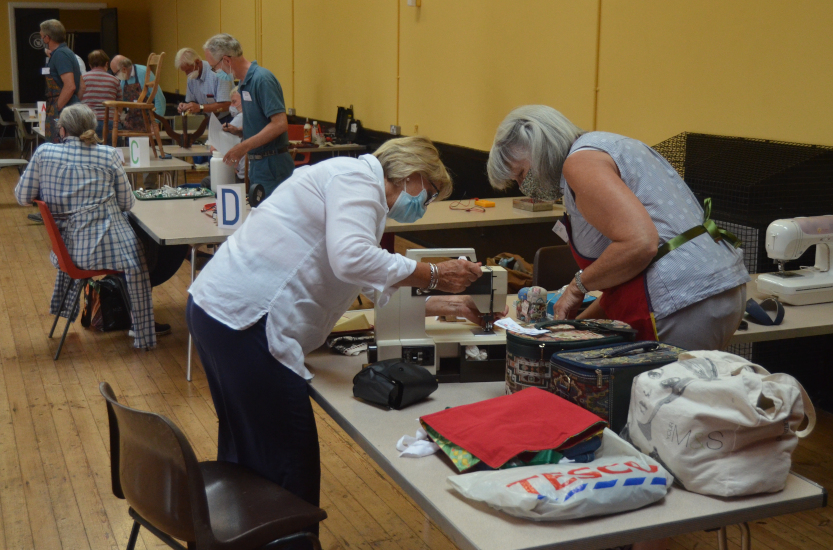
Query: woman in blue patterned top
x,y
624,202
86,188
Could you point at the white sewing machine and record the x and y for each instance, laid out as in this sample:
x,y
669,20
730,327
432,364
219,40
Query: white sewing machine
x,y
787,240
402,330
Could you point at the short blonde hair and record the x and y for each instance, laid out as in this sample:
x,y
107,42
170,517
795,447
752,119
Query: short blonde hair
x,y
186,56
404,157
55,30
536,133
79,121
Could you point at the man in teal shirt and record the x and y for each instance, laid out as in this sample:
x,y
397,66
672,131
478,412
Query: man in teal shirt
x,y
265,126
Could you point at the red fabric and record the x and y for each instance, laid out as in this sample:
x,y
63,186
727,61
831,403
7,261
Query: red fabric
x,y
498,429
627,302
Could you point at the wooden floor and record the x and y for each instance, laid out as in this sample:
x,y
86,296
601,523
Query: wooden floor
x,y
54,456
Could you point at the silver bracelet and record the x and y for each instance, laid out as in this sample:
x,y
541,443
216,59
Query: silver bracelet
x,y
435,277
580,286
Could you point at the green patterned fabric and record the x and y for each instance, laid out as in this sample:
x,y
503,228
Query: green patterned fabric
x,y
458,455
602,357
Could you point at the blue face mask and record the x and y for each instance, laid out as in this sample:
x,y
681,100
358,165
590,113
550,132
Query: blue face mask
x,y
408,208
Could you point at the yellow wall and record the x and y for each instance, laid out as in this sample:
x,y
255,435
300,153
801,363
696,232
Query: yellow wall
x,y
465,64
134,32
753,69
758,69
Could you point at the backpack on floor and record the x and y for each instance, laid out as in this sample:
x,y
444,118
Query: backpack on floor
x,y
106,305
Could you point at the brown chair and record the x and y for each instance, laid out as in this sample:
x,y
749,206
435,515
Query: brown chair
x,y
553,267
144,104
210,505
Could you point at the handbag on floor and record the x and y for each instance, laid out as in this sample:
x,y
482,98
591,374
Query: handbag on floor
x,y
720,424
106,305
599,378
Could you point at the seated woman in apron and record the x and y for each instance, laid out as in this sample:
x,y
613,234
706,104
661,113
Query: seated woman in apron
x,y
634,227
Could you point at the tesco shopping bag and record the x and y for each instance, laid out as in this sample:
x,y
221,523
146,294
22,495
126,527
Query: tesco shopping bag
x,y
720,424
619,479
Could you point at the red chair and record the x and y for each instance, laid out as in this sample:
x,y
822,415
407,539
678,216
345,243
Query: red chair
x,y
296,133
67,266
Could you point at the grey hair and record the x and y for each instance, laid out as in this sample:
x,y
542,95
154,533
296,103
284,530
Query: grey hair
x,y
536,133
125,63
79,121
55,30
221,45
186,56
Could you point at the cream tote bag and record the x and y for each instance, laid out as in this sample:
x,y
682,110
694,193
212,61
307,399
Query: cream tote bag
x,y
718,423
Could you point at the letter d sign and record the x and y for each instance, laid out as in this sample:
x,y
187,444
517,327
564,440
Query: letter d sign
x,y
230,203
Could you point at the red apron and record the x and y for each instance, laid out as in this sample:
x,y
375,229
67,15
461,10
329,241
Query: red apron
x,y
627,302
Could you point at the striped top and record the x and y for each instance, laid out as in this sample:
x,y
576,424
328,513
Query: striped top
x,y
693,272
100,87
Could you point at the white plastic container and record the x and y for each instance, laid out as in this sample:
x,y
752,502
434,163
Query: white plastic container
x,y
307,132
316,133
221,173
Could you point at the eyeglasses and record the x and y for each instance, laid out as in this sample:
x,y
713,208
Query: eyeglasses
x,y
214,67
436,194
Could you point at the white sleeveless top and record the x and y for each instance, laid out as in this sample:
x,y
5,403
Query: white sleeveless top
x,y
693,272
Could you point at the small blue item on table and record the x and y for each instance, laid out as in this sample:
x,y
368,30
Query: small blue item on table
x,y
553,297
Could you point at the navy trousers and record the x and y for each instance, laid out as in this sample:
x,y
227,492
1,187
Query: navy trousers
x,y
264,409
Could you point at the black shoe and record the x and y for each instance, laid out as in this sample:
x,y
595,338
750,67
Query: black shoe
x,y
161,330
35,218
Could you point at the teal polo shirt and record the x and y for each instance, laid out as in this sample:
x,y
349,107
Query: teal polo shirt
x,y
262,97
63,61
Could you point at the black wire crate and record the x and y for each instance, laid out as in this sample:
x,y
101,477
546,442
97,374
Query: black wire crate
x,y
753,182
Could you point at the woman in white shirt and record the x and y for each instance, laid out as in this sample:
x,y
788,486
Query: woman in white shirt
x,y
276,288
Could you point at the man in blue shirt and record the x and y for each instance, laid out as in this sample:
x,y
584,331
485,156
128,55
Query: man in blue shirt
x,y
265,137
63,76
207,91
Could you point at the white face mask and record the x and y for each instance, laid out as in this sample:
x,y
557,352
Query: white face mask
x,y
193,74
234,111
121,76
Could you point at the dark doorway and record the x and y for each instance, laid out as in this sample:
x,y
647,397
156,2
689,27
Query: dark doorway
x,y
30,55
110,31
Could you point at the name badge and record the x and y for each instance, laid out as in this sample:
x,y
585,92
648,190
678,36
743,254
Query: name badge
x,y
561,231
247,96
44,71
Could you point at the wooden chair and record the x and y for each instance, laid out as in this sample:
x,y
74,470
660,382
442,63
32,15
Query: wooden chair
x,y
211,505
24,136
144,103
296,133
66,265
553,267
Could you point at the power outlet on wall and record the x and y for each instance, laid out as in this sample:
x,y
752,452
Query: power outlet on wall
x,y
290,111
395,130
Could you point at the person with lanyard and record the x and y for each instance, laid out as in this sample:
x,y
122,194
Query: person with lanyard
x,y
635,229
63,76
132,79
265,126
207,92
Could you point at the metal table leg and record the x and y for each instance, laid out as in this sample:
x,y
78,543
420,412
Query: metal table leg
x,y
190,343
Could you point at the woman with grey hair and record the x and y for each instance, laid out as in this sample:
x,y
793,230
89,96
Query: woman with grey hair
x,y
86,189
633,225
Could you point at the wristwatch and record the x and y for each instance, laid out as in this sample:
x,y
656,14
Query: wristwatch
x,y
202,108
580,286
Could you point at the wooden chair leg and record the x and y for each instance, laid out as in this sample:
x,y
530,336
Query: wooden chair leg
x,y
105,132
116,120
158,138
69,321
149,131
